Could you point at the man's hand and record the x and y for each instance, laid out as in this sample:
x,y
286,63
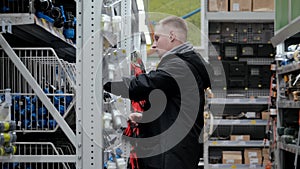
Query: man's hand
x,y
135,118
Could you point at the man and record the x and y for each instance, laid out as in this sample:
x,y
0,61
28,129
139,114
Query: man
x,y
170,136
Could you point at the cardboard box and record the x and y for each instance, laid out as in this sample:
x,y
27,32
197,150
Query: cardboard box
x,y
263,5
231,157
240,5
217,5
252,156
265,151
239,137
265,115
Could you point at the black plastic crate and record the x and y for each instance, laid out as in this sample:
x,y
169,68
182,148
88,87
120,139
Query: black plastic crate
x,y
256,38
254,71
257,28
14,6
259,70
230,52
266,75
248,50
268,26
228,29
238,69
243,28
236,74
266,36
243,38
216,38
214,51
237,82
259,76
215,27
265,50
229,39
260,83
254,82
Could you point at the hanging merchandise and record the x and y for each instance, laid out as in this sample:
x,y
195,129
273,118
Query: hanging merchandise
x,y
57,16
113,118
113,61
137,68
43,5
115,160
9,137
69,25
7,126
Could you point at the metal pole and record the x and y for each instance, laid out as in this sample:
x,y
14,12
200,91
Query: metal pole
x,y
89,85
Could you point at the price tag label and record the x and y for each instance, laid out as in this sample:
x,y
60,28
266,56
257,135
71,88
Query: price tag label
x,y
253,122
214,143
233,166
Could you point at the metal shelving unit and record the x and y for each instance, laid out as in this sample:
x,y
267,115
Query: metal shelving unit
x,y
35,86
233,98
285,104
33,69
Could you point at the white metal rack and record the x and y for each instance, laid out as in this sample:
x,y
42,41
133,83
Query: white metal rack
x,y
47,103
88,109
47,70
84,79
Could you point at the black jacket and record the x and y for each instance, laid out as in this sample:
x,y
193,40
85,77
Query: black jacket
x,y
182,78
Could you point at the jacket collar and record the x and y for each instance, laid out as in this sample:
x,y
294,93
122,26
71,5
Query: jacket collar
x,y
185,47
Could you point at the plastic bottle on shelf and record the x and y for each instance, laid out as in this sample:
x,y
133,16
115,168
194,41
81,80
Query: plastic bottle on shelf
x,y
121,164
111,165
107,117
116,115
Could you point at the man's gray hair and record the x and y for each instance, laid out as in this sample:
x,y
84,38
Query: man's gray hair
x,y
178,24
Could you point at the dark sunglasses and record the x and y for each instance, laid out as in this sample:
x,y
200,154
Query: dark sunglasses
x,y
156,37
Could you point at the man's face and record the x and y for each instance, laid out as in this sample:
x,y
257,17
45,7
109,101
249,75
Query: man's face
x,y
162,42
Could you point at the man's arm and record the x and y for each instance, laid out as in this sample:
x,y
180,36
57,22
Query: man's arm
x,y
141,86
119,88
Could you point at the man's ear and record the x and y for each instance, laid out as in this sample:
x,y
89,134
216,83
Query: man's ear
x,y
172,36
